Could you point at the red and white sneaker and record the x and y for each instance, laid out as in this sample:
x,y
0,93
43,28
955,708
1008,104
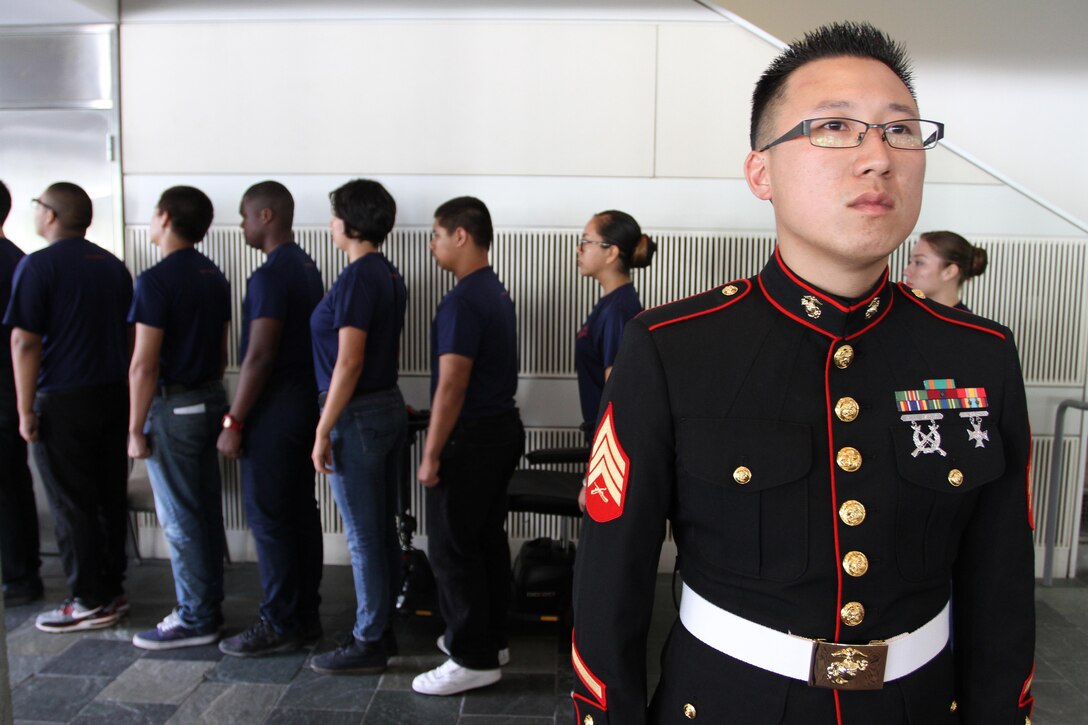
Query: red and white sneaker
x,y
74,616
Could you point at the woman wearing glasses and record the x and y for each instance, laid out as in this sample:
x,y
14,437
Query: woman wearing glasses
x,y
612,245
940,263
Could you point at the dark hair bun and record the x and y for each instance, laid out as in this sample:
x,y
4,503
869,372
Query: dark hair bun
x,y
643,252
977,263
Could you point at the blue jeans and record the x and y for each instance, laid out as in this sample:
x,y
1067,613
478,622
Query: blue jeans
x,y
367,448
184,472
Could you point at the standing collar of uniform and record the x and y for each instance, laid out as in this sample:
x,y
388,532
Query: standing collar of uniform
x,y
819,310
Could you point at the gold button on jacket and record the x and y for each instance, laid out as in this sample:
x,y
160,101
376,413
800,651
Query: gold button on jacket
x,y
846,409
852,614
855,563
955,477
843,357
852,512
689,711
742,475
848,459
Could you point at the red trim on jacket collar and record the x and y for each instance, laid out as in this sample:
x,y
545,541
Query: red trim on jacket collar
x,y
741,294
910,296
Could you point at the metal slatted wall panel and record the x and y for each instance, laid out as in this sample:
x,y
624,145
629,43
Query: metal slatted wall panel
x,y
1035,287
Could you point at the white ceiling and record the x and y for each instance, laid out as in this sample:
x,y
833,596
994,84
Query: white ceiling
x,y
1009,78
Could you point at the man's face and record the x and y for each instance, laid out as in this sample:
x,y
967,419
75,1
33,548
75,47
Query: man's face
x,y
43,213
443,245
251,222
158,226
840,208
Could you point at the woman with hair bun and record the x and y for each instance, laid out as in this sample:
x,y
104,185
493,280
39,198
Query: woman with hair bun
x,y
940,263
612,244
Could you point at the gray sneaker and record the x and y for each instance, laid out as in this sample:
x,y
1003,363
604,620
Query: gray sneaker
x,y
74,616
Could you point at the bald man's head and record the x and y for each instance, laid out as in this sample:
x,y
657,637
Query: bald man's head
x,y
72,207
275,196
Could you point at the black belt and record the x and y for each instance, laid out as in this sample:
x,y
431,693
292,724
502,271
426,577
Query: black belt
x,y
166,391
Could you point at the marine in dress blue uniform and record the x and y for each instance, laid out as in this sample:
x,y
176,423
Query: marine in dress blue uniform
x,y
845,473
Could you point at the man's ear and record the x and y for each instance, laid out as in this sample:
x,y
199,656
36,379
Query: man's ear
x,y
758,175
265,215
460,237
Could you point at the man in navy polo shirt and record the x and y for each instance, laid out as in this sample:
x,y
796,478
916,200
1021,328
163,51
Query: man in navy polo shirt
x,y
473,444
18,512
69,349
181,309
270,427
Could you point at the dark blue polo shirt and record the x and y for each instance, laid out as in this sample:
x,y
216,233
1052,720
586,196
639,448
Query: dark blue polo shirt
x,y
369,295
74,294
188,298
597,344
476,319
9,259
287,287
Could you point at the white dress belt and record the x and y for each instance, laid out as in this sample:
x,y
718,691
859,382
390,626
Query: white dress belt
x,y
792,656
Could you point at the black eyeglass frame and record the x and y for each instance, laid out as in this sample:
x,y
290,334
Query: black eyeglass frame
x,y
42,204
603,245
805,129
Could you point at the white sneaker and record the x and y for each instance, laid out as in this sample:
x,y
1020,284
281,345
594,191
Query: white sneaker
x,y
504,653
450,678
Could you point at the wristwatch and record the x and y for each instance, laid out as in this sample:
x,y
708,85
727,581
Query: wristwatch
x,y
232,423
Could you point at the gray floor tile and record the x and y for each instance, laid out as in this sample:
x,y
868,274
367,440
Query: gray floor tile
x,y
1062,645
156,681
204,653
1058,703
20,667
124,713
277,669
514,695
287,716
310,690
409,708
222,703
504,720
94,657
54,698
29,640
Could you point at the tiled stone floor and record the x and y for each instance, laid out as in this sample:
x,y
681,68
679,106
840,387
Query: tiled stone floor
x,y
99,677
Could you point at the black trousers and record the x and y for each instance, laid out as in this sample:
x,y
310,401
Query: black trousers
x,y
81,456
278,486
19,542
467,542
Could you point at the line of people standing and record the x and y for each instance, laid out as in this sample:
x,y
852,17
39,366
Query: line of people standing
x,y
317,389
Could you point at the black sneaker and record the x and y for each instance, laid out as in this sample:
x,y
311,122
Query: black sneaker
x,y
352,657
259,640
19,593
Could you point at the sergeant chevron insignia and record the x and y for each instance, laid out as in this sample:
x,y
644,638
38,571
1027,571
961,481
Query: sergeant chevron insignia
x,y
606,481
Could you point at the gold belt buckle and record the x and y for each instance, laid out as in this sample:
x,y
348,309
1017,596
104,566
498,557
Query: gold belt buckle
x,y
848,666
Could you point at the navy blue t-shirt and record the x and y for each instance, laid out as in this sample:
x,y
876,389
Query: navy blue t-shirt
x,y
287,287
598,343
369,295
9,260
476,319
188,298
74,294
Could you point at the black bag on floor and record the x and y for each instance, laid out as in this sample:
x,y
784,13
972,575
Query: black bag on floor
x,y
543,578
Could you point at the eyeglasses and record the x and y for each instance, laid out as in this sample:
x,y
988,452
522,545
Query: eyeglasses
x,y
38,202
583,242
909,134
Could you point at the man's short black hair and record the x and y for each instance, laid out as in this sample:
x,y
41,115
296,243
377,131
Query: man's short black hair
x,y
5,203
190,211
470,214
72,205
367,210
859,40
275,196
